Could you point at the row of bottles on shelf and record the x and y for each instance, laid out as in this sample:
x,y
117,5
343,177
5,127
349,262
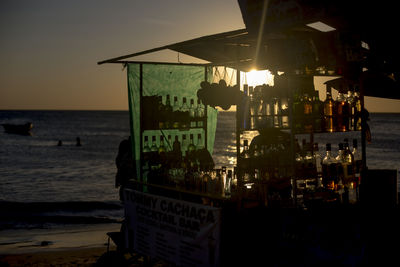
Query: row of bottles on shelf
x,y
180,164
338,174
265,107
343,114
341,174
265,161
161,113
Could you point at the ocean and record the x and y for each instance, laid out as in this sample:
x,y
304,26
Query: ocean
x,y
43,185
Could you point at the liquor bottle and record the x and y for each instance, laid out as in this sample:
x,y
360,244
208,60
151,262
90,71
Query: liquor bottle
x,y
228,183
175,117
317,112
146,147
176,153
329,170
200,142
192,114
153,147
244,110
297,113
277,109
307,113
348,174
328,112
162,148
348,165
161,112
253,106
168,112
191,148
185,119
245,160
318,164
176,147
357,160
184,145
357,116
200,113
169,143
352,108
342,113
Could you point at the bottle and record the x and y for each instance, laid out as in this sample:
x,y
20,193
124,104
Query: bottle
x,y
253,105
348,169
161,112
329,170
200,143
146,147
168,112
200,113
192,114
228,184
342,113
317,113
297,113
357,160
185,120
153,147
348,175
328,112
244,110
352,108
245,159
177,153
162,148
191,147
184,145
318,164
277,108
357,116
175,117
307,113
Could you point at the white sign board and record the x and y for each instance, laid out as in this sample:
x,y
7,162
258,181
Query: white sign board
x,y
181,232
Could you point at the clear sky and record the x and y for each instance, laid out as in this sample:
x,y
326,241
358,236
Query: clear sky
x,y
49,49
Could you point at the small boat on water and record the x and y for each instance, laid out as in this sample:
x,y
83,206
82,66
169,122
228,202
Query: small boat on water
x,y
23,129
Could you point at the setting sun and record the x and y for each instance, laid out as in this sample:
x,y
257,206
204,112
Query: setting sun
x,y
258,77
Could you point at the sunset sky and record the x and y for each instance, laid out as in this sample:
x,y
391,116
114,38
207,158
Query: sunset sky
x,y
49,49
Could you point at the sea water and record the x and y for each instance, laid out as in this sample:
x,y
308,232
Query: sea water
x,y
41,182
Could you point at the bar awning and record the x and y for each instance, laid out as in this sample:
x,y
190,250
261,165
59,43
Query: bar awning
x,y
356,41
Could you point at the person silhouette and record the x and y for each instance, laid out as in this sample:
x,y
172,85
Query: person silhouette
x,y
78,141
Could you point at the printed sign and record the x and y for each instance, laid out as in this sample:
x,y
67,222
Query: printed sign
x,y
181,232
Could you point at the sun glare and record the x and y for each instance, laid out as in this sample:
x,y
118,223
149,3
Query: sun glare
x,y
258,77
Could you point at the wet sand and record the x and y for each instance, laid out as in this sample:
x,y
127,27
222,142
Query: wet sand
x,y
77,245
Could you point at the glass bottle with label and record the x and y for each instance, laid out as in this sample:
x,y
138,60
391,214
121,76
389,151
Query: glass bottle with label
x,y
329,170
342,113
307,114
175,116
192,114
146,147
317,112
162,148
185,118
200,113
168,112
328,112
200,142
153,147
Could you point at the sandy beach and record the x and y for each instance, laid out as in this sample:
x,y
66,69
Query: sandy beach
x,y
61,246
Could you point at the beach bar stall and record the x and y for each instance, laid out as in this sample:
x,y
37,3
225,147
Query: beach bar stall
x,y
284,201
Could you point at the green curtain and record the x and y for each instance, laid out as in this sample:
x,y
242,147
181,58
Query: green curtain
x,y
162,79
